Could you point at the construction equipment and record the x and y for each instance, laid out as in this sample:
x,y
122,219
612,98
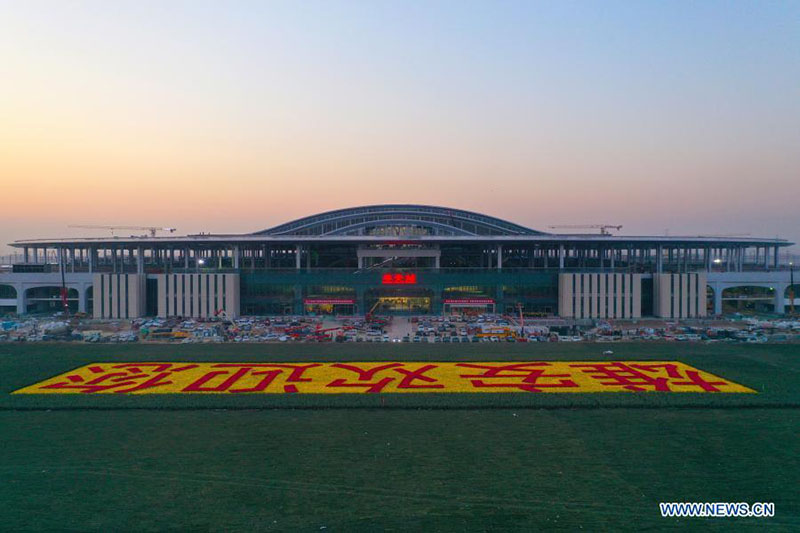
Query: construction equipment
x,y
368,317
151,229
602,227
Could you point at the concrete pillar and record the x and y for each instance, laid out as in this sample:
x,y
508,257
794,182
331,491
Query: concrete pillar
x,y
25,255
140,260
780,298
297,250
186,258
717,298
499,256
236,257
21,301
81,299
561,256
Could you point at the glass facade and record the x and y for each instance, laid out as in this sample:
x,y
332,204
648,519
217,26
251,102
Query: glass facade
x,y
337,291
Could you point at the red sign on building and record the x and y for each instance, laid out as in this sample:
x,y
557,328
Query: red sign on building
x,y
399,279
328,301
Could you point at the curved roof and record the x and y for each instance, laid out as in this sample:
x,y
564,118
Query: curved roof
x,y
399,220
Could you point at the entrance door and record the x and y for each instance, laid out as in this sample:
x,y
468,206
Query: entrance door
x,y
399,301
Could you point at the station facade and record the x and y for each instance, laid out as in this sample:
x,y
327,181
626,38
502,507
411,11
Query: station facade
x,y
394,259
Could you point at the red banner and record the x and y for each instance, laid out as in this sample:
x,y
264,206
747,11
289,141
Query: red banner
x,y
470,301
328,301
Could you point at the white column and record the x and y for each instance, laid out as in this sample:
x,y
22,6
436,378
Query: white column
x,y
82,299
21,302
780,298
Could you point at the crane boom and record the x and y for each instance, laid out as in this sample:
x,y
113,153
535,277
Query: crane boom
x,y
151,229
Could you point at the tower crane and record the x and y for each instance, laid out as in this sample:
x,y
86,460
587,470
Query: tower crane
x,y
151,229
602,227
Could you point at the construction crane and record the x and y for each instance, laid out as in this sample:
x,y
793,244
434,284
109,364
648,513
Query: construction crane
x,y
151,229
602,227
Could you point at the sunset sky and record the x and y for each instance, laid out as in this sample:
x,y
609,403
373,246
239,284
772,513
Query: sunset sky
x,y
236,116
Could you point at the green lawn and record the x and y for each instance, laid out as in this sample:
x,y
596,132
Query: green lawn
x,y
203,465
391,469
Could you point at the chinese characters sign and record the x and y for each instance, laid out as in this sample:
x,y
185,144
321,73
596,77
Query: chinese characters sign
x,y
399,279
384,377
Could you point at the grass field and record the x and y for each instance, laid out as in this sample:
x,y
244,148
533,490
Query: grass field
x,y
398,462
